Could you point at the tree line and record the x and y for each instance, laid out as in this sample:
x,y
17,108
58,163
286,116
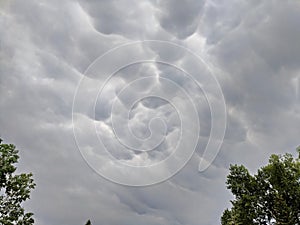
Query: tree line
x,y
269,197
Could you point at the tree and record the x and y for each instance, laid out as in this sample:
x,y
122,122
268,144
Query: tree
x,y
14,189
88,222
272,196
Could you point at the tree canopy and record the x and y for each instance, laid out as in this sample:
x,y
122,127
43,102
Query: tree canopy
x,y
272,196
14,189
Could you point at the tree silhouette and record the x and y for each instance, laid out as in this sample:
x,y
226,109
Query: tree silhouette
x,y
88,222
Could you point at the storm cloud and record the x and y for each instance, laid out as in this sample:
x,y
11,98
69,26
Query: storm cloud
x,y
253,48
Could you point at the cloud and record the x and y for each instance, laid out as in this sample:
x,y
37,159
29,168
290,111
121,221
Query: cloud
x,y
181,19
45,48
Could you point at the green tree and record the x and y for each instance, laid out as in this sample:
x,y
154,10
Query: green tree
x,y
272,196
14,189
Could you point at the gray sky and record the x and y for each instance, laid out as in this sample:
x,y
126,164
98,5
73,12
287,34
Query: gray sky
x,y
253,48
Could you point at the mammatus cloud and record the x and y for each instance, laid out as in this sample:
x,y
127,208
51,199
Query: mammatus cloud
x,y
46,47
188,85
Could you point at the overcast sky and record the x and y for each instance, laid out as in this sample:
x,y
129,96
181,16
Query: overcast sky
x,y
48,51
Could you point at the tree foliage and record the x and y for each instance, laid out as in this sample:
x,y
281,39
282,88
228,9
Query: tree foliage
x,y
14,189
272,196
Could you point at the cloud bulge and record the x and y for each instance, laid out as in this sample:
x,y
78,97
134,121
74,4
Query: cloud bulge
x,y
45,48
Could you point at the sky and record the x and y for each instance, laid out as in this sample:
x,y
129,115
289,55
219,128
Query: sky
x,y
113,104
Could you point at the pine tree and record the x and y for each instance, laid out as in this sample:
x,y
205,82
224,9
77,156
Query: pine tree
x,y
88,222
